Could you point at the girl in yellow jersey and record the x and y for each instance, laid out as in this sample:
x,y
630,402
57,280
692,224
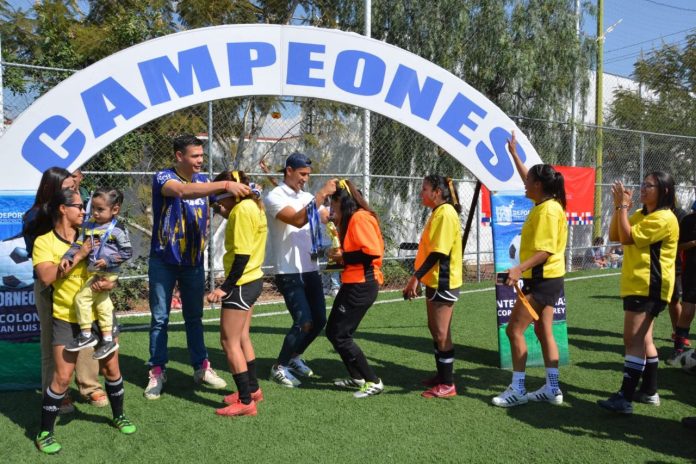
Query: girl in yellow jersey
x,y
439,267
650,238
542,266
245,248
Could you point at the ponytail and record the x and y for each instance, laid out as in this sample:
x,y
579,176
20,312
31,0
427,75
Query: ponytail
x,y
446,186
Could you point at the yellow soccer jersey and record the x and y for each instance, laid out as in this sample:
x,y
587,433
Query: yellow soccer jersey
x,y
442,234
546,229
245,234
50,248
648,264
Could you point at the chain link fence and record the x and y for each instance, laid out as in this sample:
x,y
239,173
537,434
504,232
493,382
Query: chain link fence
x,y
249,133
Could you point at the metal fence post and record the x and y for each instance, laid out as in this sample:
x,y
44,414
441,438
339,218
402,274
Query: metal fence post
x,y
478,241
366,115
211,232
642,157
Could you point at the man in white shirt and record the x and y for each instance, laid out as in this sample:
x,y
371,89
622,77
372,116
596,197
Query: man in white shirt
x,y
296,267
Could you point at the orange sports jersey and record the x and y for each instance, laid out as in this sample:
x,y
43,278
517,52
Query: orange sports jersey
x,y
363,235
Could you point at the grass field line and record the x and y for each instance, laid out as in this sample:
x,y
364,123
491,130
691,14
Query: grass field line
x,y
280,313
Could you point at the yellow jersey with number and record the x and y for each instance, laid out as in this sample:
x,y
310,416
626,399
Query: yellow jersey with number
x,y
546,229
442,234
245,234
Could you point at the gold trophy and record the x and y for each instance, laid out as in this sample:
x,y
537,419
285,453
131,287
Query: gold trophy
x,y
335,244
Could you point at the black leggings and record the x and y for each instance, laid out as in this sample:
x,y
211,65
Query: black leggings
x,y
349,308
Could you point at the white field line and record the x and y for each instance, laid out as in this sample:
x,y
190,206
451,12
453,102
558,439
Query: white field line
x,y
280,313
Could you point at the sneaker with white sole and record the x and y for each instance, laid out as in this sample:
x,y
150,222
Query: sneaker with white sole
x,y
546,394
369,389
298,367
281,375
81,342
510,398
349,383
642,397
674,358
104,349
156,383
208,377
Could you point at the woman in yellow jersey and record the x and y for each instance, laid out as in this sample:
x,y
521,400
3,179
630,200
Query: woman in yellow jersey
x,y
362,248
650,238
245,248
542,267
439,267
67,211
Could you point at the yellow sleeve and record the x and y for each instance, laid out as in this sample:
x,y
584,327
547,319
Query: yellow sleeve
x,y
442,230
243,223
650,230
43,251
545,237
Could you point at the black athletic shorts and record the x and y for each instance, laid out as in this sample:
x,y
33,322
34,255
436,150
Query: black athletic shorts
x,y
644,304
677,291
64,332
442,296
688,284
243,297
544,291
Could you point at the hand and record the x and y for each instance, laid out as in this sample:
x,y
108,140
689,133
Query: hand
x,y
100,263
216,295
324,215
64,266
237,189
512,144
335,255
514,275
411,289
86,248
329,187
621,195
101,284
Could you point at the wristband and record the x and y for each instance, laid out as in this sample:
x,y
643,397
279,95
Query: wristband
x,y
621,207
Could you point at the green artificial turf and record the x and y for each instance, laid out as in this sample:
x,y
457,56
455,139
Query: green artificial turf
x,y
321,423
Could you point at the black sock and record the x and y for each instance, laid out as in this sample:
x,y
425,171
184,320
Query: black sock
x,y
436,354
649,385
253,380
633,369
680,336
114,390
242,382
445,366
50,407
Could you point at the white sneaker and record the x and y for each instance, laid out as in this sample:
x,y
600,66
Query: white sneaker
x,y
298,367
281,375
349,383
509,398
369,389
156,383
546,394
644,398
208,377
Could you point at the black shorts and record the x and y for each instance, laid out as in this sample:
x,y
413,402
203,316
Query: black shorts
x,y
442,296
688,284
243,297
64,332
546,292
677,291
643,304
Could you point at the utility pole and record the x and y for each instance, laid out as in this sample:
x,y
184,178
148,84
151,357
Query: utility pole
x,y
599,119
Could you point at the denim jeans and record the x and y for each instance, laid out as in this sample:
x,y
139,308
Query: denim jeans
x,y
304,298
191,280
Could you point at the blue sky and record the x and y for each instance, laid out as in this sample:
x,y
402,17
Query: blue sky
x,y
645,25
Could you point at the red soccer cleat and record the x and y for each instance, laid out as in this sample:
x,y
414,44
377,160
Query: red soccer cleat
x,y
440,391
237,409
232,398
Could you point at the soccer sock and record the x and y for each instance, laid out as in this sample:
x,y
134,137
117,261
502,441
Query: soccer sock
x,y
518,382
633,369
552,378
108,338
681,335
445,366
649,385
253,380
114,390
242,382
50,407
86,333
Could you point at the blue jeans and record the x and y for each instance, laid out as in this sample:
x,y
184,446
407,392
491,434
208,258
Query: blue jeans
x,y
191,280
304,298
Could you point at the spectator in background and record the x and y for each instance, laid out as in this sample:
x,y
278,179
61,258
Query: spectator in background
x,y
35,222
84,193
595,257
615,257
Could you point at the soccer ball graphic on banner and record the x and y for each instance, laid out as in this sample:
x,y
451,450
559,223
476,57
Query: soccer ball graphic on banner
x,y
688,361
514,250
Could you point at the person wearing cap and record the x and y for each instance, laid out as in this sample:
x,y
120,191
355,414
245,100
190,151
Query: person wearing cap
x,y
687,251
294,237
180,224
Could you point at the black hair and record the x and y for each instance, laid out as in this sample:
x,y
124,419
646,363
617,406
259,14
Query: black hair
x,y
112,195
51,183
62,197
552,182
665,190
446,186
186,140
350,200
243,179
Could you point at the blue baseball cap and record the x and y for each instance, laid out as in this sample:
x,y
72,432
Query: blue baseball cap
x,y
298,160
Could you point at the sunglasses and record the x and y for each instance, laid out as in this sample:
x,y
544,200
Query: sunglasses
x,y
76,205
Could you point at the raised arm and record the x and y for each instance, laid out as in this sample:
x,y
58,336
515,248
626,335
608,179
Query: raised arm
x,y
619,221
512,147
299,218
173,188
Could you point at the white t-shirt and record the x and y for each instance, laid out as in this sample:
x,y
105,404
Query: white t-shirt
x,y
290,248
